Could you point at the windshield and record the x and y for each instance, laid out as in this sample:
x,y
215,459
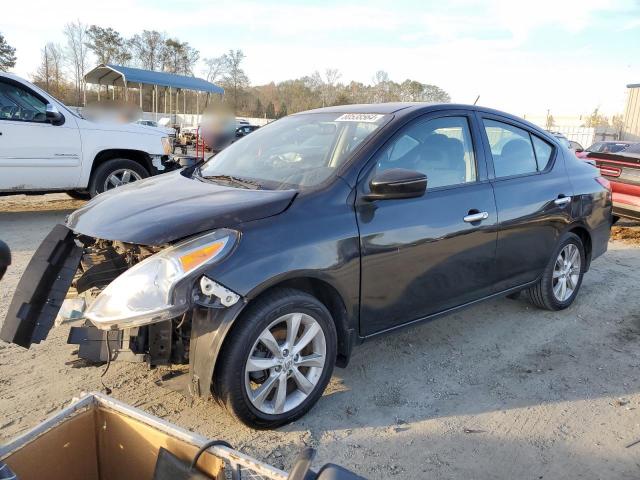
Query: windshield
x,y
602,147
296,151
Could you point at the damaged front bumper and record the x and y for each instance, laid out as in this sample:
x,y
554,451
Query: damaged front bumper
x,y
68,265
42,288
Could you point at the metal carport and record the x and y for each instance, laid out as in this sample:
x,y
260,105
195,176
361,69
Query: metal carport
x,y
127,77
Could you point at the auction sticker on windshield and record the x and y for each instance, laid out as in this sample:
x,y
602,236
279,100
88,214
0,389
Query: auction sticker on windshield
x,y
359,117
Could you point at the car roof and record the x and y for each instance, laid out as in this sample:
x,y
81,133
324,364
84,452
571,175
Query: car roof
x,y
424,107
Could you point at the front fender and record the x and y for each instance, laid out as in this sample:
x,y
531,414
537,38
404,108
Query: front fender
x,y
209,328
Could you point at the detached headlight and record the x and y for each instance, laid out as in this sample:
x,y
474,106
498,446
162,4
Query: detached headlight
x,y
150,291
166,146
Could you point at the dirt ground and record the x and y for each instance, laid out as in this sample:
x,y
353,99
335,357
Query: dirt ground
x,y
501,390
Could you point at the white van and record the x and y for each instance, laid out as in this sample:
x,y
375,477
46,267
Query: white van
x,y
47,147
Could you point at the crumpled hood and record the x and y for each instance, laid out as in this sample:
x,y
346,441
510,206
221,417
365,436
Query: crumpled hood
x,y
170,206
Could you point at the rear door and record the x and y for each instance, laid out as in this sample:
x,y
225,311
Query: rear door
x,y
34,154
533,198
421,256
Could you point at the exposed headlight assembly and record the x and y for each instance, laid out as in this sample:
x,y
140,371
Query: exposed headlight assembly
x,y
158,287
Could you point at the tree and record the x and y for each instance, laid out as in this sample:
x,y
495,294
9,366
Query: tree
x,y
7,55
235,78
216,67
270,111
433,93
148,48
258,109
179,57
550,121
108,45
50,75
77,51
283,110
596,119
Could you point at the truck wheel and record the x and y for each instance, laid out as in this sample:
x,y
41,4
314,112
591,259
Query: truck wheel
x,y
115,173
78,195
277,360
561,280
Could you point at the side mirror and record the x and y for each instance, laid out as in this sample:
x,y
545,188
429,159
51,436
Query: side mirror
x,y
397,183
53,115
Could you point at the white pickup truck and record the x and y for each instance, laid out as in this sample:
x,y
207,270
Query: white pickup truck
x,y
47,147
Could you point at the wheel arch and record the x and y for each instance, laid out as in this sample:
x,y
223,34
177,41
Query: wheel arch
x,y
330,297
137,156
583,233
320,289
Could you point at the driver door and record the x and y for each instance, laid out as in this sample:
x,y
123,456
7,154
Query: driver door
x,y
421,256
34,154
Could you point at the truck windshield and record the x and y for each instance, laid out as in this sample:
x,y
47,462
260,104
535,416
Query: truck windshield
x,y
297,151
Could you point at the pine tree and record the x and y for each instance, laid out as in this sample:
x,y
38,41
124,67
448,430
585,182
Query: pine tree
x,y
270,112
283,110
7,55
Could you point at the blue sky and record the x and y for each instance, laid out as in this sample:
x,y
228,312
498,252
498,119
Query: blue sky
x,y
524,57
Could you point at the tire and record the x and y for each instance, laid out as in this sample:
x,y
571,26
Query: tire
x,y
115,166
78,195
542,294
233,384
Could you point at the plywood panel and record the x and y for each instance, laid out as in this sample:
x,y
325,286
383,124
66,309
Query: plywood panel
x,y
66,452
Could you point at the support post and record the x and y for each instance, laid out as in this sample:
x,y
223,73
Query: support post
x,y
140,85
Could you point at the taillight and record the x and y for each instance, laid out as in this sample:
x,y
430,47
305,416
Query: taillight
x,y
604,182
610,171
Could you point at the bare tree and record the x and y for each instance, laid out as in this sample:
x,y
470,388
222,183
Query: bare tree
x,y
77,53
7,55
148,49
235,77
216,68
49,74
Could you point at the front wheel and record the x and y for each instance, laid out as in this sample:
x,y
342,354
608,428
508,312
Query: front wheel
x,y
115,173
561,280
277,360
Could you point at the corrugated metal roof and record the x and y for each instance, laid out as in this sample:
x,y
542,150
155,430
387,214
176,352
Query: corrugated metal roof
x,y
117,74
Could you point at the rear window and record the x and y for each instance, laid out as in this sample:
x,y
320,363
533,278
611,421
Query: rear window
x,y
543,152
511,149
515,151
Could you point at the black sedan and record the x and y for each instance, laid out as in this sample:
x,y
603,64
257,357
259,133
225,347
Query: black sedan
x,y
265,266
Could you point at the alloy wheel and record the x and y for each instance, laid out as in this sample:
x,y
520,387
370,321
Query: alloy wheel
x,y
120,177
285,363
566,272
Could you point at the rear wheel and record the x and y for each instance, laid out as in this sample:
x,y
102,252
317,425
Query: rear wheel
x,y
277,360
115,173
561,280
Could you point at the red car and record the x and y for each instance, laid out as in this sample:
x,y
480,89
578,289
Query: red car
x,y
622,169
605,147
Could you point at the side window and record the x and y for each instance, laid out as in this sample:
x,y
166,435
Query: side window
x,y
16,103
543,152
440,148
511,149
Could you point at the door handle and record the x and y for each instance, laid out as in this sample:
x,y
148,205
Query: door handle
x,y
476,217
562,200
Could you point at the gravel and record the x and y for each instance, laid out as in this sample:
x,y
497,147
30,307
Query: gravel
x,y
500,390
